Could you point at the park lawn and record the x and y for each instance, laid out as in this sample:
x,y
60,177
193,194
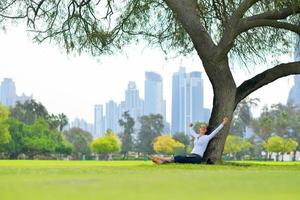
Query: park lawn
x,y
142,180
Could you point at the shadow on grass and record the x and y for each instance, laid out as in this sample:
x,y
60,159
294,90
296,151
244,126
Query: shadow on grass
x,y
236,164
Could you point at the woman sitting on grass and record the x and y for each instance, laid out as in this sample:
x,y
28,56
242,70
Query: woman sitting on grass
x,y
200,143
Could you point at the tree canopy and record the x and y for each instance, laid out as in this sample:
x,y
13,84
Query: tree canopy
x,y
246,28
31,110
235,144
166,144
80,141
151,127
107,144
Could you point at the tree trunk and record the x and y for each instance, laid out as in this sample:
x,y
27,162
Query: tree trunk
x,y
267,156
124,155
294,155
234,156
223,106
277,157
13,156
216,145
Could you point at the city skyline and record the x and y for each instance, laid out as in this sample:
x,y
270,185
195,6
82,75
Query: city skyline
x,y
152,103
190,90
23,97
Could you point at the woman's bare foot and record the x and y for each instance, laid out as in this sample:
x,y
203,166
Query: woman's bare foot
x,y
156,160
161,160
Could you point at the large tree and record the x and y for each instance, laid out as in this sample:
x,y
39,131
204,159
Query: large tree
x,y
80,141
38,139
215,29
108,144
151,127
127,122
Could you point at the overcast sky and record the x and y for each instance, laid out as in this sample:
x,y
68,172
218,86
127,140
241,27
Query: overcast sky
x,y
74,84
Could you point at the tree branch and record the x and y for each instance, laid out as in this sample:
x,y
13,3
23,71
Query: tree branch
x,y
276,14
270,19
237,25
242,9
247,25
230,32
7,6
266,77
187,13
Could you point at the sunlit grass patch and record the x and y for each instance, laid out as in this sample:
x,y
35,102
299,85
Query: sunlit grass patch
x,y
142,180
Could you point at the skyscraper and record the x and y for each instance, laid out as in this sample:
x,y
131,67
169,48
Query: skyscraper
x,y
99,123
187,100
177,97
154,102
294,95
8,92
195,97
133,102
111,116
121,109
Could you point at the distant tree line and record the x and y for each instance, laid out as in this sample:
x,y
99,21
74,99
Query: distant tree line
x,y
29,131
275,132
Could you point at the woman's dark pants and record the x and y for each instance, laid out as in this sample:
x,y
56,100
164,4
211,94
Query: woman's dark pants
x,y
190,158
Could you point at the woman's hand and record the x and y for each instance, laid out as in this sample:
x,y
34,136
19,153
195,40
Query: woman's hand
x,y
225,121
190,125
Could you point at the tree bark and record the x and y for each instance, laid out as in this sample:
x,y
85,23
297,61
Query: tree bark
x,y
224,89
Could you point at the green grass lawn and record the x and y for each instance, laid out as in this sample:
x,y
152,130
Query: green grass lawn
x,y
138,180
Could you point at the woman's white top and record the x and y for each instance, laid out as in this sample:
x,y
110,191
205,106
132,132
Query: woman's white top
x,y
201,142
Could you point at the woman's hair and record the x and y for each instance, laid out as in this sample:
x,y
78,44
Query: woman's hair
x,y
203,124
